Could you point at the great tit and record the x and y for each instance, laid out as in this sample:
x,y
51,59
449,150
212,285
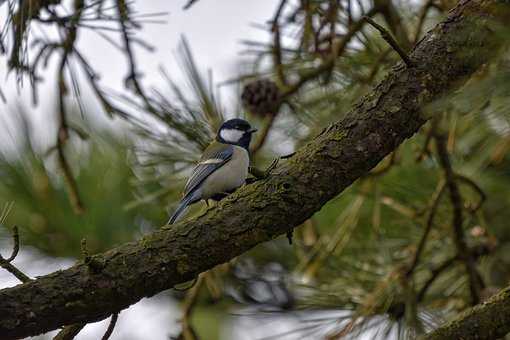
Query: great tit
x,y
222,168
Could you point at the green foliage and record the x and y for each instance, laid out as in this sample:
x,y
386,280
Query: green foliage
x,y
42,209
357,254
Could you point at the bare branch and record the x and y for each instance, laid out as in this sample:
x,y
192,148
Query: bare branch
x,y
391,41
327,65
475,281
6,263
13,270
261,211
189,4
111,326
435,274
430,222
15,247
190,301
475,187
488,321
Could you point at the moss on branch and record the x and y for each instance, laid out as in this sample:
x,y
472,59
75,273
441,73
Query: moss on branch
x,y
261,211
489,320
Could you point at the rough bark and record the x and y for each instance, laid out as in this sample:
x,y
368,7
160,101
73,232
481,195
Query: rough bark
x,y
259,212
489,320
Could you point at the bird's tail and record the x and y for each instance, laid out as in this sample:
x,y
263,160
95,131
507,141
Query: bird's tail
x,y
183,206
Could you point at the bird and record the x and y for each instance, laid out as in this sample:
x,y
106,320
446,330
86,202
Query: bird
x,y
222,168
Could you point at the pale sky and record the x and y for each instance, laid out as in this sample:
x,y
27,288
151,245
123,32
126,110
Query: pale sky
x,y
214,30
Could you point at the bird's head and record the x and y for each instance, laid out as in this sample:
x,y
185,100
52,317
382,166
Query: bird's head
x,y
235,131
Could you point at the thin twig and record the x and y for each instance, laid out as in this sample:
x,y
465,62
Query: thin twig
x,y
435,274
189,4
63,130
279,10
277,57
425,149
478,251
107,105
191,297
475,283
390,40
132,77
111,326
15,247
2,96
395,22
6,263
430,222
69,180
477,188
327,65
13,270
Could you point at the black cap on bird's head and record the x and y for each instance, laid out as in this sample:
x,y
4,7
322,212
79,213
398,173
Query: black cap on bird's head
x,y
235,131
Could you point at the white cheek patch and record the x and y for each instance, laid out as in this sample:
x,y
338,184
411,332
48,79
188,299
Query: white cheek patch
x,y
231,135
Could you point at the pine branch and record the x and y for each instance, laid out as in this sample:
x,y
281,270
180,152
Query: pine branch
x,y
6,263
328,64
111,326
261,211
487,321
391,41
475,281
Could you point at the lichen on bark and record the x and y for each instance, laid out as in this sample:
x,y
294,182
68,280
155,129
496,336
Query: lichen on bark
x,y
261,211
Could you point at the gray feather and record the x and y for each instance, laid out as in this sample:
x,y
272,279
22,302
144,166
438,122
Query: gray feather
x,y
183,206
220,153
214,157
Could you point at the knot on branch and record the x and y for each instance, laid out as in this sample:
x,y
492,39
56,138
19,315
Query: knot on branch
x,y
95,263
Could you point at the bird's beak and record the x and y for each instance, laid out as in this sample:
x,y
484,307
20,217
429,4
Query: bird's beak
x,y
252,130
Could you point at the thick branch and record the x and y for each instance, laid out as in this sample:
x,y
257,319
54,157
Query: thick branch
x,y
270,207
489,320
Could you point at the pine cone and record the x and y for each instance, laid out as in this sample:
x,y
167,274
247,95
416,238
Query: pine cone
x,y
261,97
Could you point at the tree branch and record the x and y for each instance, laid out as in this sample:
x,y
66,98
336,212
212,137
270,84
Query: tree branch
x,y
475,282
489,320
392,42
430,222
111,327
6,263
328,63
261,211
392,17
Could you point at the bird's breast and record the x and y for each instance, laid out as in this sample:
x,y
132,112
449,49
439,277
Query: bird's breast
x,y
228,177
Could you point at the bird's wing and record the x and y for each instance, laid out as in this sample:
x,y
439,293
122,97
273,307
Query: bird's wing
x,y
213,158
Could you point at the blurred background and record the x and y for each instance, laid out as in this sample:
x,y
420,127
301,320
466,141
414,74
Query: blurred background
x,y
106,106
